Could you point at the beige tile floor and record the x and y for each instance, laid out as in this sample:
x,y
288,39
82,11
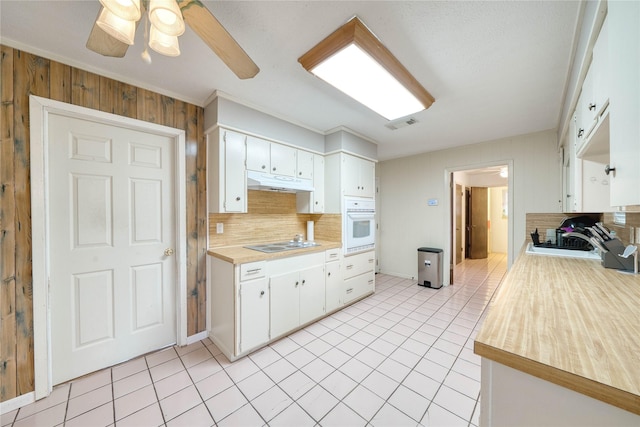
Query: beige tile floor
x,y
403,356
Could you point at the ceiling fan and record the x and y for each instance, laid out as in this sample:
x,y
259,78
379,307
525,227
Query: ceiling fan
x,y
194,14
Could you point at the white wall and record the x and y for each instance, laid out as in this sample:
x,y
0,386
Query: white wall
x,y
499,231
406,184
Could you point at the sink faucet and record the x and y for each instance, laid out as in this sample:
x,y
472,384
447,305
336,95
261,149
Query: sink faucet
x,y
298,238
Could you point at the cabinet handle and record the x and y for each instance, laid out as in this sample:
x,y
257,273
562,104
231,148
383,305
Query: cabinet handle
x,y
316,203
592,107
261,293
274,168
349,290
297,284
371,281
370,260
329,274
608,169
304,281
253,270
238,199
299,173
580,132
264,166
349,267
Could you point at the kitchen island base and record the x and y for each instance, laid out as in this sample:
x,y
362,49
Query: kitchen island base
x,y
510,397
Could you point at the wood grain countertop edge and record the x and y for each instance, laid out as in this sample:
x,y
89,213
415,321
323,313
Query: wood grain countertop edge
x,y
603,392
240,255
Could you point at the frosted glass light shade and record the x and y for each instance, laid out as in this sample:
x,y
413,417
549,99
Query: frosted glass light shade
x,y
165,15
353,60
124,9
163,43
357,74
119,28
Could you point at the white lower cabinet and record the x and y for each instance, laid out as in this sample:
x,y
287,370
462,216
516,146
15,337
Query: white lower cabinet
x,y
333,280
359,275
255,303
254,314
297,291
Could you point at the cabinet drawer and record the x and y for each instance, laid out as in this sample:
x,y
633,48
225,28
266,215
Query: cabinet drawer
x,y
358,286
354,265
253,270
332,255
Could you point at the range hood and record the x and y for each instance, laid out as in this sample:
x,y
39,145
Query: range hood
x,y
268,182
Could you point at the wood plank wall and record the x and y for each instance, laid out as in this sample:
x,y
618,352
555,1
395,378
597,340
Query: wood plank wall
x,y
24,74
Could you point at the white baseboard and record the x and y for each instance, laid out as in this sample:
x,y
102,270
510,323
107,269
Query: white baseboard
x,y
17,402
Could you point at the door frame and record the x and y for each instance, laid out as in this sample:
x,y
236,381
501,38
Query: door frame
x,y
39,111
448,194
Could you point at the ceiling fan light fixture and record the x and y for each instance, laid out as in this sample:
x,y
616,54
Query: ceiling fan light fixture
x,y
121,29
163,43
165,15
124,9
353,60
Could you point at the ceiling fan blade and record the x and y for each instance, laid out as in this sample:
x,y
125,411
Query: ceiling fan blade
x,y
218,39
104,44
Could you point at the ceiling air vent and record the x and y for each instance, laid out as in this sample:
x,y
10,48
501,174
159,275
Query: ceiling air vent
x,y
397,124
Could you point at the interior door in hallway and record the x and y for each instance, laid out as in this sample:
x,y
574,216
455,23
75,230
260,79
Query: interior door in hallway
x,y
478,222
112,236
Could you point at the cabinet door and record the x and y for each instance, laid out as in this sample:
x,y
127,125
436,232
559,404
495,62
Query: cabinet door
x,y
254,314
624,45
601,71
367,178
304,161
258,154
235,187
318,184
351,178
283,160
312,293
284,303
333,285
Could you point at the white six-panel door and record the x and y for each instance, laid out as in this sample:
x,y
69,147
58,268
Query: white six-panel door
x,y
112,242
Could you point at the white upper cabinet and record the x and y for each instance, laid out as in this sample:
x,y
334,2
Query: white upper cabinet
x,y
271,157
359,176
226,172
624,59
591,110
258,154
600,65
304,164
313,202
283,160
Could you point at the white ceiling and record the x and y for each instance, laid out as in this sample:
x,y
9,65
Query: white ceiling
x,y
496,69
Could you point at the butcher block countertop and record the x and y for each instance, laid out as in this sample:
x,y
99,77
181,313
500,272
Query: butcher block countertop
x,y
240,254
571,322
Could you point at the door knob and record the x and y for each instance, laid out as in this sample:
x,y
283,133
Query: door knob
x,y
168,252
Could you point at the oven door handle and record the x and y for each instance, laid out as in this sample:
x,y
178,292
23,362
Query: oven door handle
x,y
361,215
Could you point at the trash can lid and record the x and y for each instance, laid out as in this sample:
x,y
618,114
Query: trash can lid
x,y
436,250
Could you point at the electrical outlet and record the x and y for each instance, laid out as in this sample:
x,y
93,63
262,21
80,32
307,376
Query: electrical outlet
x,y
219,227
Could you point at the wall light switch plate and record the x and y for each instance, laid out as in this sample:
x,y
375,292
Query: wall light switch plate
x,y
432,202
219,227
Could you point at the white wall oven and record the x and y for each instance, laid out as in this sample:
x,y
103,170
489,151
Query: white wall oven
x,y
359,225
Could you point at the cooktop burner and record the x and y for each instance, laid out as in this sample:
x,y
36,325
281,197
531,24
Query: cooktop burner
x,y
281,246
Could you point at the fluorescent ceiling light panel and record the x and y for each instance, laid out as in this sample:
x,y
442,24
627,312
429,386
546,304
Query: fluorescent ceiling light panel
x,y
354,61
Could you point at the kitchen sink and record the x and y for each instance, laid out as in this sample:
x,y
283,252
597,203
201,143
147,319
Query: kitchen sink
x,y
567,253
282,246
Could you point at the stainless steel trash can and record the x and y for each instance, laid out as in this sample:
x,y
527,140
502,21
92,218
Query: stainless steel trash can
x,y
430,267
